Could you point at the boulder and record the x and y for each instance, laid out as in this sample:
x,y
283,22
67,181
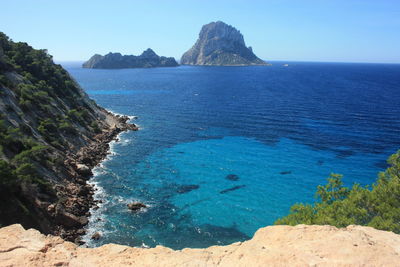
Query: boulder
x,y
83,169
96,236
70,220
136,206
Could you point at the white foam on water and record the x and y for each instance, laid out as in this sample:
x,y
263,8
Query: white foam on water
x,y
97,220
123,140
131,117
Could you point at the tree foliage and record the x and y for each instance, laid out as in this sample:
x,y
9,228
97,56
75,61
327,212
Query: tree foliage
x,y
378,207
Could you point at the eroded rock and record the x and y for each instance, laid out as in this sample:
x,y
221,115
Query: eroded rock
x,y
302,245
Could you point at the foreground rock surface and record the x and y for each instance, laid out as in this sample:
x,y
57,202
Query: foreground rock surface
x,y
271,246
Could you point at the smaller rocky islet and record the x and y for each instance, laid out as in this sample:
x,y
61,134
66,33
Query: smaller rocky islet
x,y
148,59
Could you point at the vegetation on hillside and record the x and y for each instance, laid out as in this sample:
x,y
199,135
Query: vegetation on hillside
x,y
44,115
48,102
22,166
378,206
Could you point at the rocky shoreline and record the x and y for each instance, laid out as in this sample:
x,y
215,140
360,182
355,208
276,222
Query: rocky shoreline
x,y
72,212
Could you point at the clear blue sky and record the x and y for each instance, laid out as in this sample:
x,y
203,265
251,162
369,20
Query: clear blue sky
x,y
305,30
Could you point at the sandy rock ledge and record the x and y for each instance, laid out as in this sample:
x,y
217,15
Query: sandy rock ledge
x,y
271,246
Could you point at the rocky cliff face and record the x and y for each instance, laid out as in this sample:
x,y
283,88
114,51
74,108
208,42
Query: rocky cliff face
x,y
148,59
51,135
271,246
221,45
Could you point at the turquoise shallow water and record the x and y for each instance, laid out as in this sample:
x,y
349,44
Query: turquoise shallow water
x,y
224,151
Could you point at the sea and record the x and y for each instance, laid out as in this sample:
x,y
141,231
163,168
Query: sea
x,y
223,151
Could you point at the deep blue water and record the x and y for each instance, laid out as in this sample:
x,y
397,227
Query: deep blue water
x,y
277,131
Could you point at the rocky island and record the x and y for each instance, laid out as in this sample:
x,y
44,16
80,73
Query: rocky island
x,y
51,136
148,59
220,44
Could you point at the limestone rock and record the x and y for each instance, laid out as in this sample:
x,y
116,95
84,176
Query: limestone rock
x,y
220,44
301,245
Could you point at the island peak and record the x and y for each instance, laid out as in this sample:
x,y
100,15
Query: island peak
x,y
220,44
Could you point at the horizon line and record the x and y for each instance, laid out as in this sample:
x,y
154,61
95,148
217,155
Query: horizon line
x,y
275,60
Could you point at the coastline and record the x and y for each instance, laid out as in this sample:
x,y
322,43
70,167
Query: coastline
x,y
73,215
96,220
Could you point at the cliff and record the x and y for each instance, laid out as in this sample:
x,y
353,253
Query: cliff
x,y
51,135
148,59
220,44
271,246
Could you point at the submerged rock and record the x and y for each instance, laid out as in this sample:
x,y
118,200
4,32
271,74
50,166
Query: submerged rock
x,y
187,188
232,177
136,206
232,189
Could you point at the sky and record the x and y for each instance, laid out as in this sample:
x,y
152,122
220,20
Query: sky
x,y
288,30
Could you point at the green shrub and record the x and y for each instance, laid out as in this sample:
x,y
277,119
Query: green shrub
x,y
36,153
81,116
6,176
26,171
66,127
41,97
95,127
5,81
47,128
378,207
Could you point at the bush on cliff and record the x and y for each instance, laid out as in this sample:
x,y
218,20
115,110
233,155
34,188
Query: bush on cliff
x,y
378,206
37,66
